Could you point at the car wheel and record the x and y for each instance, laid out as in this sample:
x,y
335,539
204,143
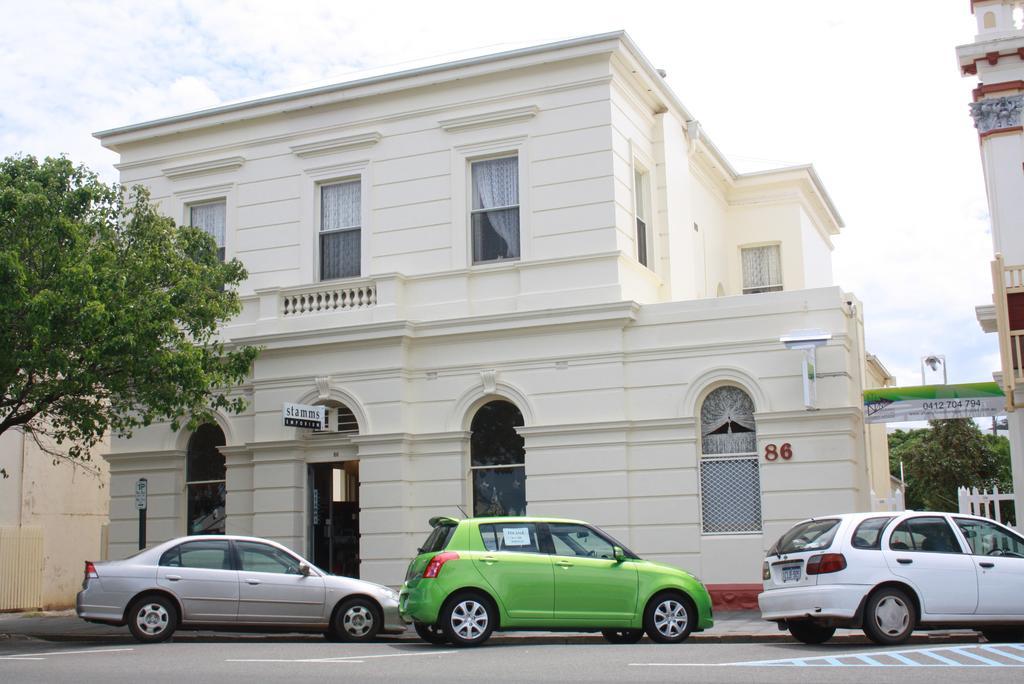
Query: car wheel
x,y
432,634
1004,635
889,617
810,633
623,636
669,618
153,619
468,619
357,619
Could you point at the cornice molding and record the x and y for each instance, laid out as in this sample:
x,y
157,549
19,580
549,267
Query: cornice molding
x,y
333,145
176,173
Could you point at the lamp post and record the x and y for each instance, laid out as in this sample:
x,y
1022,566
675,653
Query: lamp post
x,y
933,361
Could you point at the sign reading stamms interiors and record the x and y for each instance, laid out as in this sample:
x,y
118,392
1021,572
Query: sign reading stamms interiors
x,y
301,415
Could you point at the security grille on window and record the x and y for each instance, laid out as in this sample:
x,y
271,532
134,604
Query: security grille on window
x,y
340,222
498,461
205,481
211,217
730,481
495,214
641,201
762,269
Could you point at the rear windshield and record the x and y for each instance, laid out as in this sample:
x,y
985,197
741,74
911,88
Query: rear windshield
x,y
438,539
807,536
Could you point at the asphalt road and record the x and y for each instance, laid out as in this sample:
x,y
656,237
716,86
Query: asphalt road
x,y
29,660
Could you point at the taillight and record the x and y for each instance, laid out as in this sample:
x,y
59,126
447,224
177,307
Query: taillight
x,y
766,572
434,566
825,563
90,570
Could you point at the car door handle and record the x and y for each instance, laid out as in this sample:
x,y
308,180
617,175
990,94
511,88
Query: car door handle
x,y
252,581
173,578
565,564
490,560
987,564
904,561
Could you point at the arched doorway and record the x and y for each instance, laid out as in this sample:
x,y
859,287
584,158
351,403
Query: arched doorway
x,y
730,478
205,481
334,499
497,461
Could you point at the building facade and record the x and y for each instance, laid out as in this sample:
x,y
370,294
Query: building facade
x,y
521,283
996,58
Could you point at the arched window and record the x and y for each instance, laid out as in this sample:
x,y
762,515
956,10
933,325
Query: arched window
x,y
497,461
730,480
205,481
340,418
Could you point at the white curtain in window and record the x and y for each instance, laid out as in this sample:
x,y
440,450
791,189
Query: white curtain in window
x,y
496,184
340,206
211,218
761,267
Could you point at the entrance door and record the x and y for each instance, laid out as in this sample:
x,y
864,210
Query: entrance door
x,y
334,517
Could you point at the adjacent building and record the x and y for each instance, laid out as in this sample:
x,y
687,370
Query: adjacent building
x,y
996,58
521,283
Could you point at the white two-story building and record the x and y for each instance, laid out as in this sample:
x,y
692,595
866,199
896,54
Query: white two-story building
x,y
523,283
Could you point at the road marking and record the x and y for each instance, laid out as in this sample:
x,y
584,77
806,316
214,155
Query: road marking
x,y
44,656
337,659
918,657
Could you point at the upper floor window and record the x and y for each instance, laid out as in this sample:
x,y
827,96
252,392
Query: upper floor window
x,y
762,269
495,213
340,223
211,217
339,418
641,201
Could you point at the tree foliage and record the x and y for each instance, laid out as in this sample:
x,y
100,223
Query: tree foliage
x,y
947,455
108,311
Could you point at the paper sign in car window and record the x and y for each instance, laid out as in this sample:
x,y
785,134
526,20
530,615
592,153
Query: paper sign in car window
x,y
516,536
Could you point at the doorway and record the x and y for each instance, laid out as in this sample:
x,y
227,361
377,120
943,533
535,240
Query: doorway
x,y
334,517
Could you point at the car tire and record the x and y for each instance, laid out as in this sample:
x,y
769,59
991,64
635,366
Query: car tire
x,y
889,617
357,620
468,619
432,634
622,636
810,633
1004,635
152,619
669,618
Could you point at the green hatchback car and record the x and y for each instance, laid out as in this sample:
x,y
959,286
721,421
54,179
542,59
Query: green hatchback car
x,y
480,574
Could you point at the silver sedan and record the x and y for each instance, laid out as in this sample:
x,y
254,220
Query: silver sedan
x,y
228,582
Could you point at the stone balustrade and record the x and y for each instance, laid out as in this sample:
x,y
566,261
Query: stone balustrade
x,y
328,299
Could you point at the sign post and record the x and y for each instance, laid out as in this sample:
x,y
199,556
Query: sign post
x,y
142,503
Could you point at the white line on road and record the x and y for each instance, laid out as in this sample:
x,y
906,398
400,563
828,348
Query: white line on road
x,y
338,659
44,656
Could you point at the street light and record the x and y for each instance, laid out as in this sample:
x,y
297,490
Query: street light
x,y
807,341
933,361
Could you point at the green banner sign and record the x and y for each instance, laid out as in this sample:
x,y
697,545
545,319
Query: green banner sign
x,y
933,402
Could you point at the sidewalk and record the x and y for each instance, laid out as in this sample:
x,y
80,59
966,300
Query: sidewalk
x,y
730,627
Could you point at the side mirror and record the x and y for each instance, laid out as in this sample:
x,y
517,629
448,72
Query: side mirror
x,y
304,569
619,554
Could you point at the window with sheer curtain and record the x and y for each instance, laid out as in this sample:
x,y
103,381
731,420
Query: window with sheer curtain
x,y
762,269
211,217
730,481
494,217
340,228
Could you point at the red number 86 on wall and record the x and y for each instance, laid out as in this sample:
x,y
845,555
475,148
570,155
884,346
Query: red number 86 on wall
x,y
773,452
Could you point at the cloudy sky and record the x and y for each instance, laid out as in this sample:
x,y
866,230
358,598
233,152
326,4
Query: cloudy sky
x,y
867,90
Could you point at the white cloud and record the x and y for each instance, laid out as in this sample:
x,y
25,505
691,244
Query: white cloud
x,y
868,91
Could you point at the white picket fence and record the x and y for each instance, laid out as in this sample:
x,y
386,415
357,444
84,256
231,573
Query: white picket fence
x,y
888,503
984,503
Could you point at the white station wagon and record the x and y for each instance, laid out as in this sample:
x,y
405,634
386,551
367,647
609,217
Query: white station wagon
x,y
892,573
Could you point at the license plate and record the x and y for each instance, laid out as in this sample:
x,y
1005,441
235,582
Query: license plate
x,y
790,573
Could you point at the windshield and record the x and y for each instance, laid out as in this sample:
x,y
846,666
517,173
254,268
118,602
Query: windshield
x,y
438,538
806,536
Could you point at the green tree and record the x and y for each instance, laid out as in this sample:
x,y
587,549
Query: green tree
x,y
937,460
108,311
